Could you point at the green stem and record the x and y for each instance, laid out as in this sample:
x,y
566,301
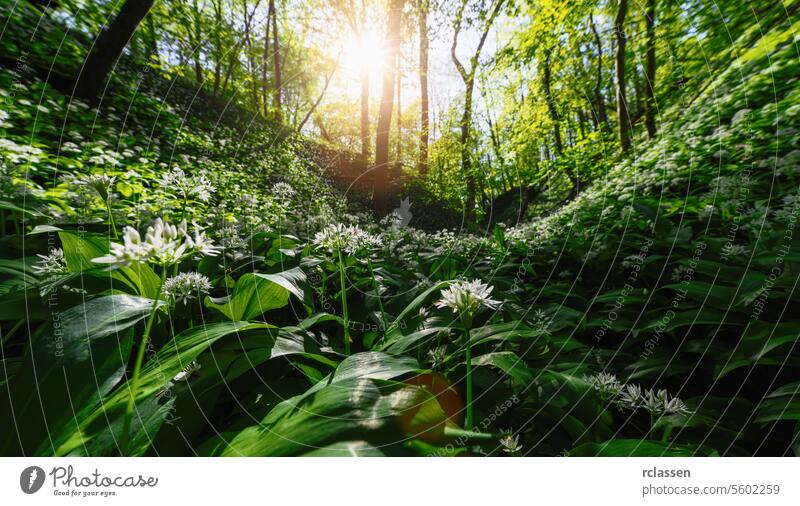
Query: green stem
x,y
377,294
469,425
111,219
345,318
137,367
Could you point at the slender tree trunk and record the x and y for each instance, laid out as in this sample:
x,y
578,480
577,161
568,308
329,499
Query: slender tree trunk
x,y
399,115
380,197
466,150
650,71
365,150
277,61
264,60
423,86
108,47
600,112
468,76
317,102
623,114
197,36
551,103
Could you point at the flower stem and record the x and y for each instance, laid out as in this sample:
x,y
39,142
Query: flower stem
x,y
111,219
137,367
377,294
469,424
345,318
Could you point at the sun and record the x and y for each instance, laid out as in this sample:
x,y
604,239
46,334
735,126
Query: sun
x,y
363,55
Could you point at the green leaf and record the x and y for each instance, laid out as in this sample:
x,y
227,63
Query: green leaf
x,y
156,376
508,362
255,294
354,408
81,356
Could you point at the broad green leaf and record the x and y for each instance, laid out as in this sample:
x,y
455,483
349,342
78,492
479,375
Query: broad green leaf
x,y
255,294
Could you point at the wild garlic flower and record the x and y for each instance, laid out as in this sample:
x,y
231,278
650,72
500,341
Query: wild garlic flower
x,y
200,243
338,237
197,187
52,263
366,241
510,444
283,190
163,244
607,385
656,403
630,396
131,250
437,356
185,287
466,297
733,250
100,183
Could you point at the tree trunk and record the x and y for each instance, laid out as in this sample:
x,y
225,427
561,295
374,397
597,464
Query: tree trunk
x,y
108,47
264,60
365,116
468,76
551,103
650,71
423,86
380,197
399,115
197,35
277,60
600,113
319,99
623,114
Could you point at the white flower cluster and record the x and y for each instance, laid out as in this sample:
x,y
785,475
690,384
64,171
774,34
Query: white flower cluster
x,y
347,238
633,397
283,190
100,183
185,287
163,244
52,263
466,297
197,187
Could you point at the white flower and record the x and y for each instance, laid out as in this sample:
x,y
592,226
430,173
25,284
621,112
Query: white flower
x,y
100,183
466,297
163,244
52,263
200,243
198,187
437,356
630,396
186,286
733,250
347,238
607,385
283,190
121,255
511,444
